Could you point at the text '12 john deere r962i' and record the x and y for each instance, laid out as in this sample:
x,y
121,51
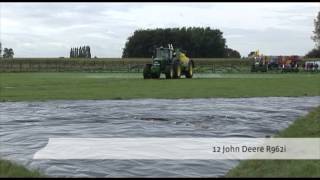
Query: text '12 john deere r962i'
x,y
172,62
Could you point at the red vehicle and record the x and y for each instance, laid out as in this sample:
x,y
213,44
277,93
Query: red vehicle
x,y
290,63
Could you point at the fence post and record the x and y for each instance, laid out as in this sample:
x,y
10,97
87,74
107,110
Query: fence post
x,y
29,66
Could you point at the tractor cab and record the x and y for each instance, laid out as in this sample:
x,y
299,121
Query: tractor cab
x,y
163,53
162,56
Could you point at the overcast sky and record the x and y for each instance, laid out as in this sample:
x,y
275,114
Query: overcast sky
x,y
51,29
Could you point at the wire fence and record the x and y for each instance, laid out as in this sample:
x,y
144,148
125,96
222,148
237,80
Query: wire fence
x,y
109,66
133,65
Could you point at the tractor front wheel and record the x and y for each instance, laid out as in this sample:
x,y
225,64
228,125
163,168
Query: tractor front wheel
x,y
147,71
169,72
189,72
177,70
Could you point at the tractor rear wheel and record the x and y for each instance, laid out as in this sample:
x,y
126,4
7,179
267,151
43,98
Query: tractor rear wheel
x,y
147,71
169,72
189,72
177,70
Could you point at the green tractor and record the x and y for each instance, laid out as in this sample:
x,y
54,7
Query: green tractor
x,y
172,62
259,62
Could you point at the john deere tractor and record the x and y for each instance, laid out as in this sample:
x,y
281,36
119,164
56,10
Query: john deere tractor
x,y
172,62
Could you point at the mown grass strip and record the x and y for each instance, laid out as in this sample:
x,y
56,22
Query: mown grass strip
x,y
10,169
307,126
76,86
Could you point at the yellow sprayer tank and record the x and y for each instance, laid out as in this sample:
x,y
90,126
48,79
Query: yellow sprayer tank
x,y
183,58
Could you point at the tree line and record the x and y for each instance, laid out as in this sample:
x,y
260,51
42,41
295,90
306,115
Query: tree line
x,y
80,52
197,42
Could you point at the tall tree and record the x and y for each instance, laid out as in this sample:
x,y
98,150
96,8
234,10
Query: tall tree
x,y
316,32
251,53
84,52
315,53
230,53
77,53
80,51
0,50
8,53
88,53
71,53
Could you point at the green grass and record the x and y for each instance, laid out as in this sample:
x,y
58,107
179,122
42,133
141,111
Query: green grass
x,y
50,86
308,126
9,169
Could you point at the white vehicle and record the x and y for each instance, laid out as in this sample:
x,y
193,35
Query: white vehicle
x,y
312,65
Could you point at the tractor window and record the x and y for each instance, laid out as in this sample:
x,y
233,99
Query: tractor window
x,y
162,53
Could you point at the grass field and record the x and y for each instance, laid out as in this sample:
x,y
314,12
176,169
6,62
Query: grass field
x,y
308,126
46,86
52,86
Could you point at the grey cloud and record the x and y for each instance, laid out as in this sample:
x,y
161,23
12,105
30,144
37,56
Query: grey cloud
x,y
272,41
55,27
